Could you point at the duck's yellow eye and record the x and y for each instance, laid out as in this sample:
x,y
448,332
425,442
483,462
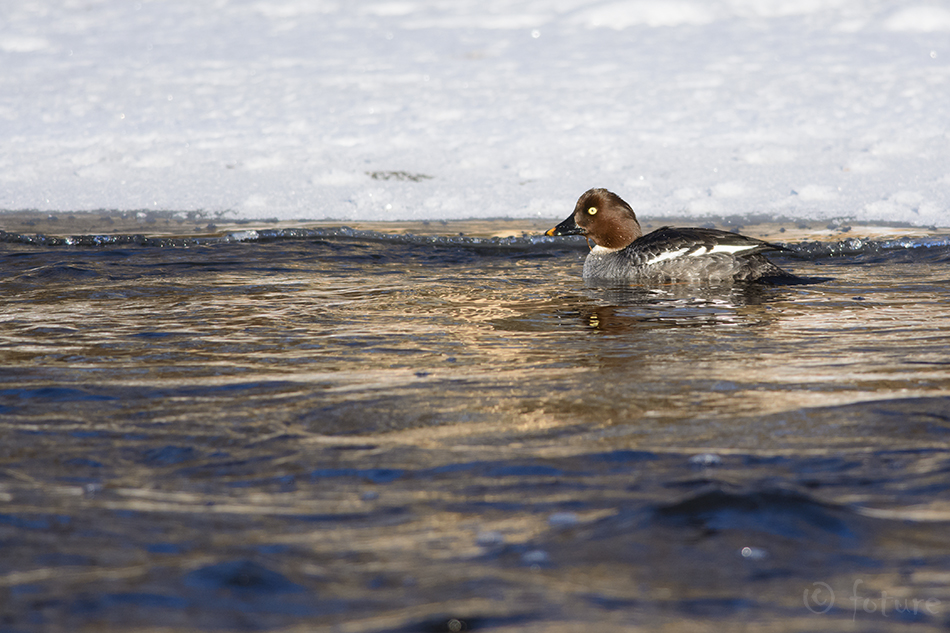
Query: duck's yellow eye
x,y
592,211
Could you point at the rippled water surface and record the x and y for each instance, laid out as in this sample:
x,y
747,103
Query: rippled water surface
x,y
346,431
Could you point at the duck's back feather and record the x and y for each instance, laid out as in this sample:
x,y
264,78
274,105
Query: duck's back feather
x,y
686,254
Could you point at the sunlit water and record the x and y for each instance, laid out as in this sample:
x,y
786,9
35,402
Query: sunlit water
x,y
354,432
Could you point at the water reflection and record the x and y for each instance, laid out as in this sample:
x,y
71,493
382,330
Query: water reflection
x,y
319,434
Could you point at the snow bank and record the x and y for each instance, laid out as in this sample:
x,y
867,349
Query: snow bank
x,y
402,109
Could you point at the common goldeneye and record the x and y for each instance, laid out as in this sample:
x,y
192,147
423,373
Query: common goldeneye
x,y
623,252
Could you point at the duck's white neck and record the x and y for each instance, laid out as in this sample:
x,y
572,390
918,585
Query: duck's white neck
x,y
603,250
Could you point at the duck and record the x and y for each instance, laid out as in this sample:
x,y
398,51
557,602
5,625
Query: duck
x,y
621,251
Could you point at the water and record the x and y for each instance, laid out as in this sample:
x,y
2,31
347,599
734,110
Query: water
x,y
343,430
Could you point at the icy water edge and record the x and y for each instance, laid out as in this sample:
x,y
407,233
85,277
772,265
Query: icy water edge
x,y
342,430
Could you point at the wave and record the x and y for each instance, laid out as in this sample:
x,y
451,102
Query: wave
x,y
857,246
938,246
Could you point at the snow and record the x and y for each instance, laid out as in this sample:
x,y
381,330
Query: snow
x,y
456,109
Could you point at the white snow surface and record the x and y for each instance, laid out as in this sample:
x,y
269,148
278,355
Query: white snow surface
x,y
285,109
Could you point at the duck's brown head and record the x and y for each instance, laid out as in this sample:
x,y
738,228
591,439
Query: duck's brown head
x,y
604,218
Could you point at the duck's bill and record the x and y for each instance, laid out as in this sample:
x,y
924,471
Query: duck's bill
x,y
567,227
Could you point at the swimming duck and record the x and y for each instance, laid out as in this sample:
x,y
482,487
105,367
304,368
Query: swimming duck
x,y
621,251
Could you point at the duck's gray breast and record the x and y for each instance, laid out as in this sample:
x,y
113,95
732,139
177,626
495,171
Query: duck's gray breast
x,y
629,265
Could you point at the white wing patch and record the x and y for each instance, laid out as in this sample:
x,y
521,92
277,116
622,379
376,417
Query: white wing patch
x,y
662,257
703,250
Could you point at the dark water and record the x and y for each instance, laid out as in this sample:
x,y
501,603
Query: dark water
x,y
343,431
